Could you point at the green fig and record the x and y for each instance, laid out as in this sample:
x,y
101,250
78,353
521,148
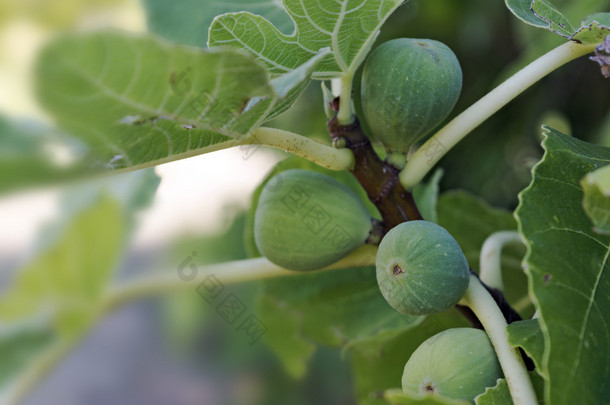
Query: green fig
x,y
421,268
307,220
456,363
409,86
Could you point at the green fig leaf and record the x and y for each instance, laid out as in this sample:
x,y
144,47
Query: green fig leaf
x,y
55,298
136,101
26,159
500,394
325,308
596,201
528,335
471,220
593,29
542,14
68,279
571,288
20,343
522,10
348,28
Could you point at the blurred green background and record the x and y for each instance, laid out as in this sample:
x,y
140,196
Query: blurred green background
x,y
177,349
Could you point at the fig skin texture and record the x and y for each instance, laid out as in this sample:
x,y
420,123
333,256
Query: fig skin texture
x,y
409,86
307,220
456,363
421,268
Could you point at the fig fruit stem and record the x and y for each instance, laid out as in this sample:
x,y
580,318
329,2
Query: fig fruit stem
x,y
487,311
345,116
490,271
227,273
324,155
447,137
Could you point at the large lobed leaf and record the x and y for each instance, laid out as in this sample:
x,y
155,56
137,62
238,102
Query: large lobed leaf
x,y
138,101
347,27
568,270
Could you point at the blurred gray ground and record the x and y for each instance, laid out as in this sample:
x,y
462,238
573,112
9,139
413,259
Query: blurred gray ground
x,y
124,360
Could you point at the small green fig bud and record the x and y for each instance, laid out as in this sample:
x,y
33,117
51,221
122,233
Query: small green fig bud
x,y
421,268
409,86
309,220
456,363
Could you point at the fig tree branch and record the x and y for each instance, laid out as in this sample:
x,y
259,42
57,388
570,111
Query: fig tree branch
x,y
378,178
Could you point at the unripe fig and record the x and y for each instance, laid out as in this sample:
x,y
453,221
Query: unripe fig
x,y
307,220
456,363
409,86
421,268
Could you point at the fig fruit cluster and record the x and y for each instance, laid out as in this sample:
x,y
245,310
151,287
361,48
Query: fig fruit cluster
x,y
456,363
307,220
409,86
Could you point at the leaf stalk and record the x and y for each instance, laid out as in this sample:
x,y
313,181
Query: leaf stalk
x,y
324,155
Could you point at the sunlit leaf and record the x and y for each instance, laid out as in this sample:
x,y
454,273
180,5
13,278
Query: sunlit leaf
x,y
135,99
347,27
67,280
